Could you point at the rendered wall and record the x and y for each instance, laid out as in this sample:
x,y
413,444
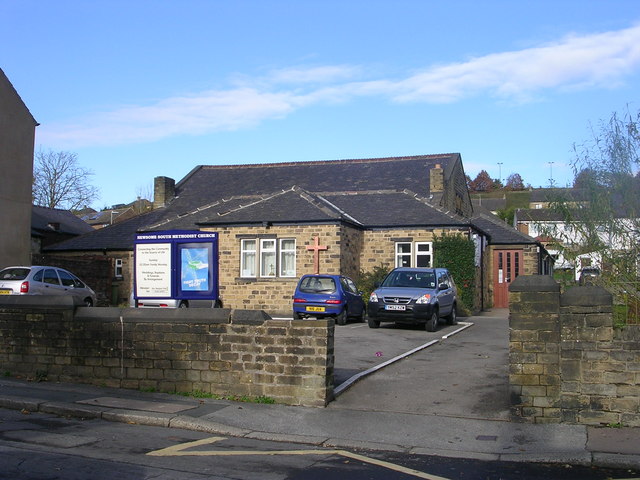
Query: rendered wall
x,y
17,133
217,351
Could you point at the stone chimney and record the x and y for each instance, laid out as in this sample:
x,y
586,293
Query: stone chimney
x,y
436,179
164,189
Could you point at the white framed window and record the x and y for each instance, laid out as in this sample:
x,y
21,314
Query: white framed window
x,y
117,269
248,255
403,254
267,257
414,254
424,256
288,257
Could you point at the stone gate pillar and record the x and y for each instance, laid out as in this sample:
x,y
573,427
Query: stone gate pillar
x,y
534,348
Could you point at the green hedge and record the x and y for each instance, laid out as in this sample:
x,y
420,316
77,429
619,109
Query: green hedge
x,y
457,254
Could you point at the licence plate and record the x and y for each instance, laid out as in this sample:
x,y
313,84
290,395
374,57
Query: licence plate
x,y
5,291
315,309
395,307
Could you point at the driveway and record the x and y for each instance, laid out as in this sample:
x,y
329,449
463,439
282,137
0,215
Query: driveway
x,y
463,375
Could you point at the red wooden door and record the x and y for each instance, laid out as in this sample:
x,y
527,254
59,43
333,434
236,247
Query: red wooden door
x,y
507,266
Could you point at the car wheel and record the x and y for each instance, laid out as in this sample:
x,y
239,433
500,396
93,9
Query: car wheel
x,y
363,316
297,316
432,323
88,302
183,305
452,318
373,323
341,318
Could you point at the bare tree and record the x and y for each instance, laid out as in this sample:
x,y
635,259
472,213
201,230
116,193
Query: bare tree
x,y
145,192
60,182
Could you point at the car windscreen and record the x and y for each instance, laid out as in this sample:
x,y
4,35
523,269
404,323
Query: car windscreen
x,y
318,285
14,273
410,280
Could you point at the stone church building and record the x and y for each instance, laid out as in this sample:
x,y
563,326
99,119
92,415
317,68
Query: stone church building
x,y
279,221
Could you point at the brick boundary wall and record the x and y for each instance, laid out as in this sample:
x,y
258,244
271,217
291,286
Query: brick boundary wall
x,y
567,361
217,351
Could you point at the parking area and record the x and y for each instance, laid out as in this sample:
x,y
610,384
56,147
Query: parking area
x,y
359,348
465,374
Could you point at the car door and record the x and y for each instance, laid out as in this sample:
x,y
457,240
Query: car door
x,y
354,299
50,284
445,293
71,286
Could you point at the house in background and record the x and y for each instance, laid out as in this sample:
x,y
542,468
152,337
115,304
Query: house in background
x,y
17,135
278,221
566,240
115,214
51,225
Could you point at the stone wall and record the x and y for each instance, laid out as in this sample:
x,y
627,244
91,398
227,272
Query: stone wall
x,y
567,361
379,245
274,295
217,351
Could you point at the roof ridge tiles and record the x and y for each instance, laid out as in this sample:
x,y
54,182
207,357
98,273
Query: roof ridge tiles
x,y
326,162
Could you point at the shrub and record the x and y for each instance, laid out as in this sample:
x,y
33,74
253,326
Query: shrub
x,y
457,254
368,281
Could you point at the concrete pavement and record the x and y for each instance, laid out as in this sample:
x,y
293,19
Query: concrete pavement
x,y
448,399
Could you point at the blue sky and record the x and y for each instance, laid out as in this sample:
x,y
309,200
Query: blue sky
x,y
143,88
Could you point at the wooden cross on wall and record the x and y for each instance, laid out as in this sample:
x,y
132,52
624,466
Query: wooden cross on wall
x,y
316,247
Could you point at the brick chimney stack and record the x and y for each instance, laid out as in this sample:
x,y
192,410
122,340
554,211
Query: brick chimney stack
x,y
436,179
164,189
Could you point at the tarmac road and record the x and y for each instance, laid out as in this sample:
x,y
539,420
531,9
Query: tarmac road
x,y
464,375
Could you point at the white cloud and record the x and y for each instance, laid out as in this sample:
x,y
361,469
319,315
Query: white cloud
x,y
588,61
323,74
599,60
207,112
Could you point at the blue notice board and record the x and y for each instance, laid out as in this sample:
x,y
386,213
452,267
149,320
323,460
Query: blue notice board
x,y
180,264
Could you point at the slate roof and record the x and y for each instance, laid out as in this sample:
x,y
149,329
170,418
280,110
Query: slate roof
x,y
43,219
370,193
392,209
386,208
537,215
207,183
119,236
500,232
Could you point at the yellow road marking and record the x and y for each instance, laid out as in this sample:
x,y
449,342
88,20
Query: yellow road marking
x,y
391,466
182,450
178,450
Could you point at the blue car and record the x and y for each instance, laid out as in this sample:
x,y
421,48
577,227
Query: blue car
x,y
328,296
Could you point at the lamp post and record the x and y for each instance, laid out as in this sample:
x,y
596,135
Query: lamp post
x,y
550,173
500,172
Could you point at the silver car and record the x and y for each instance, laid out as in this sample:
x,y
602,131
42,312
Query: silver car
x,y
42,280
